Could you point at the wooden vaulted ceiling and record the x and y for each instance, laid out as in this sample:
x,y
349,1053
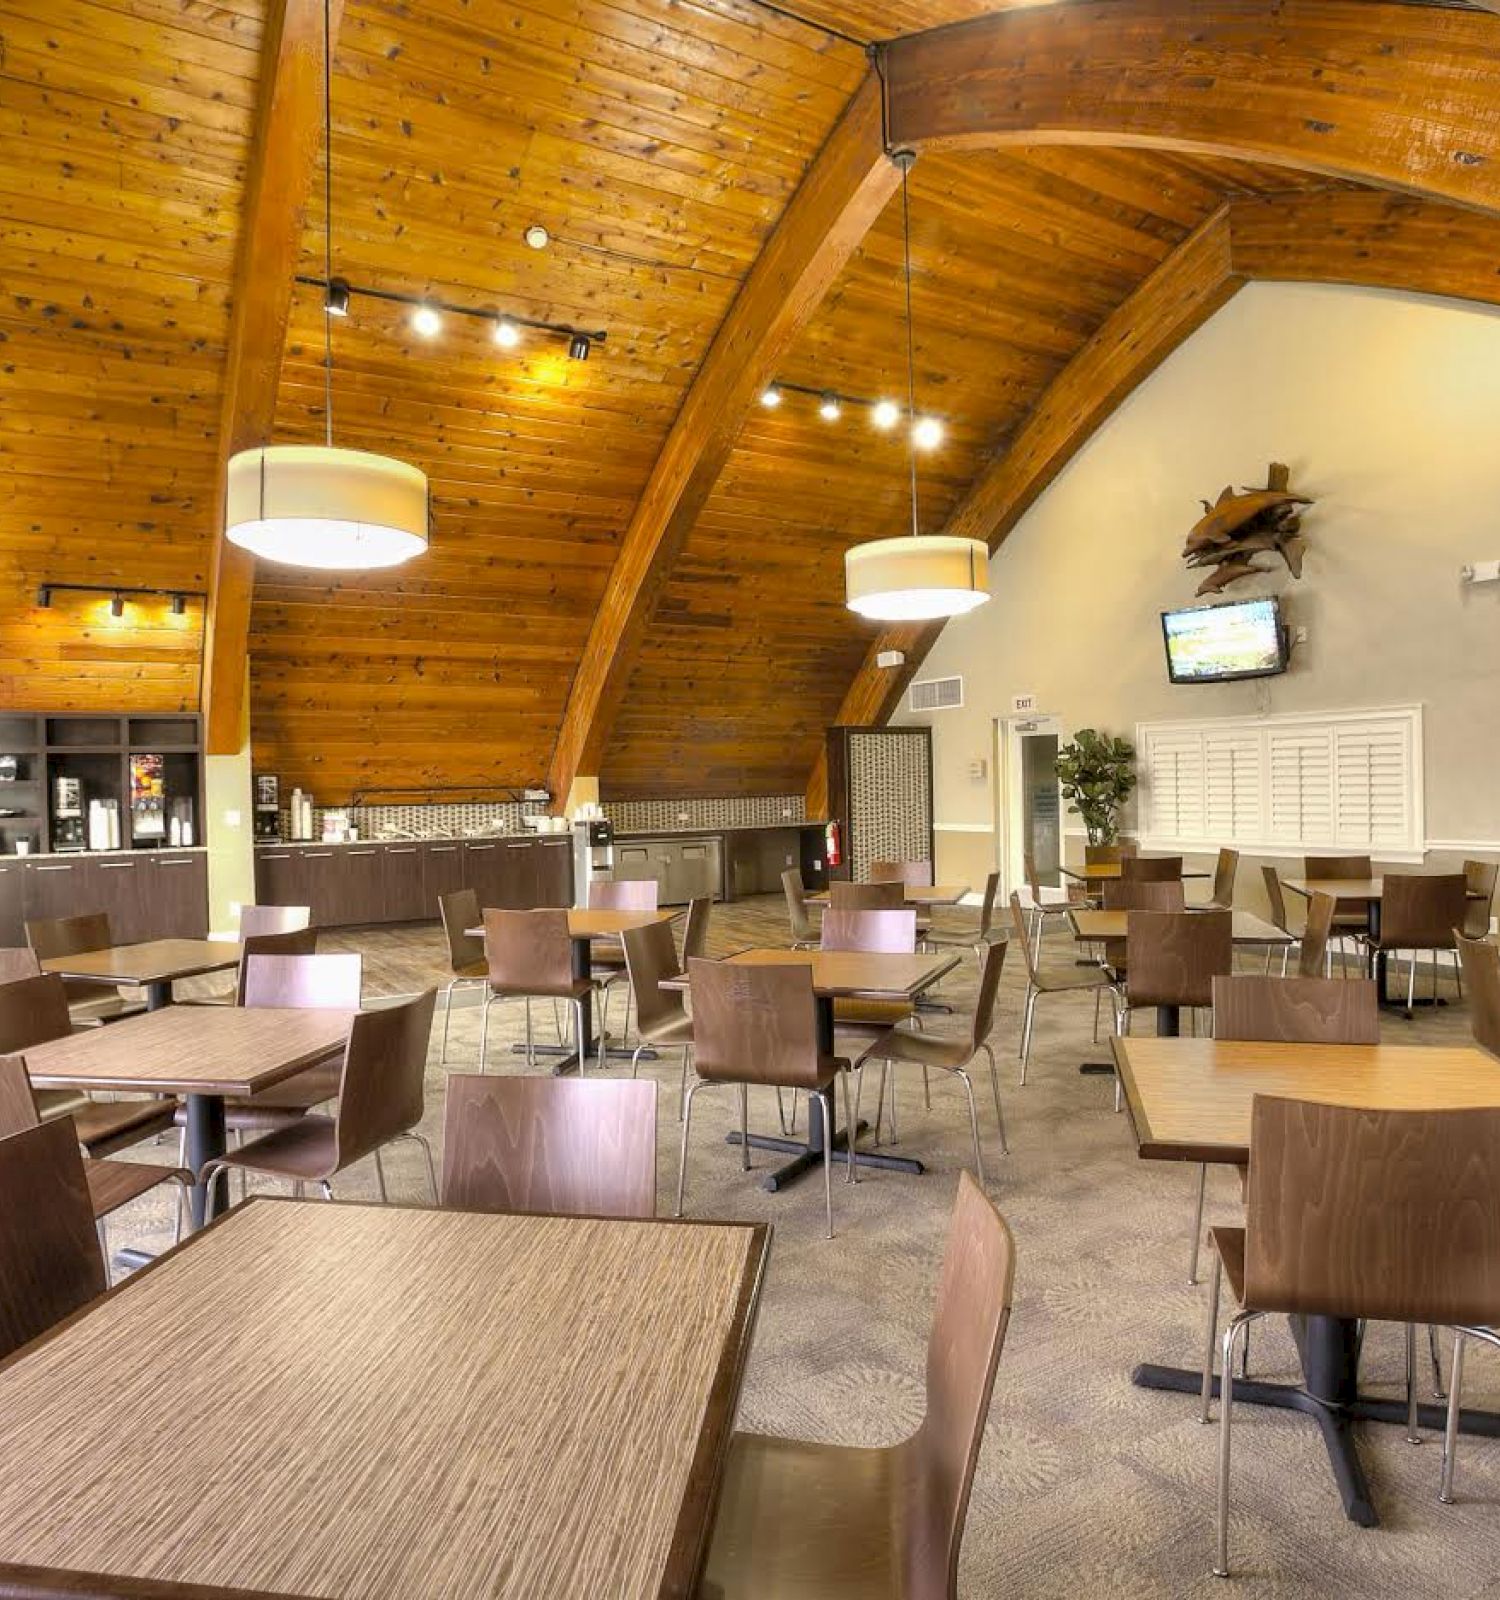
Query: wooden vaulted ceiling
x,y
660,143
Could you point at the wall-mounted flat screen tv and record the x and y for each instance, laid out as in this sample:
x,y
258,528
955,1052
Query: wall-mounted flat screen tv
x,y
1215,644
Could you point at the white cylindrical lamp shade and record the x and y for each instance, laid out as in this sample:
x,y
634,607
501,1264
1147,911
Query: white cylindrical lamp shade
x,y
916,579
315,506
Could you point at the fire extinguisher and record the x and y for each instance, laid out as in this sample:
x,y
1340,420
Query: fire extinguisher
x,y
832,852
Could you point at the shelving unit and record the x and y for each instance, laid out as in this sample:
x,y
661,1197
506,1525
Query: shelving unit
x,y
23,798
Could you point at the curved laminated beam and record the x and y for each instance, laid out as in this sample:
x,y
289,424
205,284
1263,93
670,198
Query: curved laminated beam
x,y
288,136
1361,237
842,193
1397,95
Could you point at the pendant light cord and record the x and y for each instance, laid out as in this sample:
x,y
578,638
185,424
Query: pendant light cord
x,y
911,358
328,215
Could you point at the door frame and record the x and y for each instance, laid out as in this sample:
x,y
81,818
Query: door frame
x,y
1010,802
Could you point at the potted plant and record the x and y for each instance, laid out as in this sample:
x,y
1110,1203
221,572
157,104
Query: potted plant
x,y
1097,774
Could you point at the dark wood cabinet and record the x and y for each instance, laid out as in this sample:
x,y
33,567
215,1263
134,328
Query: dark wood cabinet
x,y
401,877
59,888
280,878
122,888
554,872
362,885
442,873
12,905
484,872
518,872
147,895
322,886
176,888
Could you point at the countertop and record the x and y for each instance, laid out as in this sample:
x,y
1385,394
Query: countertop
x,y
635,837
106,855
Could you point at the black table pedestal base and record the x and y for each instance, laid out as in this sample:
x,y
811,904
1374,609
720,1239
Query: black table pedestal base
x,y
564,1057
807,1159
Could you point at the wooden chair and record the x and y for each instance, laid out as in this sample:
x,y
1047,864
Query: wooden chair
x,y
1480,961
661,1015
111,1184
1388,1216
695,929
256,920
799,913
1135,894
1151,869
293,942
916,874
35,1011
887,931
1353,916
607,956
950,1055
1480,879
19,963
460,911
987,933
1041,908
50,1262
1226,869
379,1102
889,1523
54,937
1074,980
1313,957
759,1025
1420,911
887,896
557,1146
530,957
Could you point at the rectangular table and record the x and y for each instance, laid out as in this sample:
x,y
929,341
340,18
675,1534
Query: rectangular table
x,y
1191,1099
917,894
837,975
378,1403
152,966
207,1054
584,927
1090,926
1104,871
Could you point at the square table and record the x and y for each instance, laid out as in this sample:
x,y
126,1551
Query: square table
x,y
584,926
917,894
381,1403
1105,871
836,975
152,966
1191,1100
205,1053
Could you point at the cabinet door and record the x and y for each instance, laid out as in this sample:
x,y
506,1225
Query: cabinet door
x,y
178,896
280,878
12,906
518,863
442,873
484,873
122,889
323,885
402,874
59,889
364,884
554,874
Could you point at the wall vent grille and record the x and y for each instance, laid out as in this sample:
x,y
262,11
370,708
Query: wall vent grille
x,y
937,694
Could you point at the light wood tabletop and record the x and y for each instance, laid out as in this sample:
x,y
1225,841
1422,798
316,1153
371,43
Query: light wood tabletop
x,y
222,1051
1101,871
1247,928
842,974
1346,888
917,894
603,924
1190,1099
153,965
384,1404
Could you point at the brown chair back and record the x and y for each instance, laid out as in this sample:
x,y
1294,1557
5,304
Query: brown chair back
x,y
754,1023
1389,1215
894,932
556,1146
1135,894
1276,897
622,894
798,917
963,1352
460,910
651,956
18,1108
990,968
1337,867
1420,911
1480,877
1174,956
303,982
1313,946
18,963
1481,966
1226,869
1311,1010
1151,869
890,896
1104,855
917,874
695,928
256,920
33,1011
50,1265
69,936
1020,935
987,905
295,942
380,1087
529,952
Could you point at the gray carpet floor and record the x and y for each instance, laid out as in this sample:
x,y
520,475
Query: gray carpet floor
x,y
1086,1486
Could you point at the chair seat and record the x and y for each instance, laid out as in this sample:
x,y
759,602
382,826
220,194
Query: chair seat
x,y
304,1151
1078,978
113,1184
927,1049
670,1031
58,1102
473,969
1230,1243
105,1126
765,1546
578,989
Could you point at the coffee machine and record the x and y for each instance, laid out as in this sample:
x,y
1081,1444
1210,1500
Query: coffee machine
x,y
593,853
67,814
267,808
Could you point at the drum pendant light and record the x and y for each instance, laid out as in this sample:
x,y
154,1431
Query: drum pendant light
x,y
912,578
316,505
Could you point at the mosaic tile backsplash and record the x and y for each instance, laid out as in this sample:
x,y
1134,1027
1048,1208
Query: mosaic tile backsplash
x,y
628,816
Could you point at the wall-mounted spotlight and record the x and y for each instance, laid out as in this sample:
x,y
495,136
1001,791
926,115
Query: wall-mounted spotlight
x,y
44,597
770,397
117,597
179,604
426,321
336,298
885,414
578,347
828,406
507,334
117,604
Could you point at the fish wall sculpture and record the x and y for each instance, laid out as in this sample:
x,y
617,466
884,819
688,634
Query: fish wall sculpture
x,y
1238,526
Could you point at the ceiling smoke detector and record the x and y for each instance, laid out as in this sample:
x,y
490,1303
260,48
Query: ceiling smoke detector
x,y
537,236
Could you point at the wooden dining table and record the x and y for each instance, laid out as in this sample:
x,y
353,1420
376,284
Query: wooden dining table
x,y
206,1054
916,894
153,966
1191,1100
836,975
584,927
381,1403
1106,871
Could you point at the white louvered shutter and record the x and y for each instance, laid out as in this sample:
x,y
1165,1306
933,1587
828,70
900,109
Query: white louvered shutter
x,y
1173,783
1372,778
1232,781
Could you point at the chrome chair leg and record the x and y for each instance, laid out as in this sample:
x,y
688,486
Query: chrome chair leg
x,y
995,1087
426,1144
1197,1223
927,1089
851,1123
687,1056
380,1177
880,1100
826,1100
1450,1433
1205,1410
687,1122
484,1027
1241,1320
1413,1434
781,1110
963,1078
327,1189
578,1038
530,1050
744,1095
895,1137
635,1059
1028,1022
99,1229
1438,1391
447,1018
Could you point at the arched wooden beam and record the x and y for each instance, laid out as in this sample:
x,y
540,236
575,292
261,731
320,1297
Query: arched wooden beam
x,y
288,136
1397,95
1363,237
844,190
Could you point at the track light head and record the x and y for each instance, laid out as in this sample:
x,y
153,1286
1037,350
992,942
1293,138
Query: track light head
x,y
44,597
117,604
579,347
336,298
828,406
885,414
179,604
507,334
426,320
770,397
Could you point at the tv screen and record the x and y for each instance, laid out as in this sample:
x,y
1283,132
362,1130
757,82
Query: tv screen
x,y
1213,644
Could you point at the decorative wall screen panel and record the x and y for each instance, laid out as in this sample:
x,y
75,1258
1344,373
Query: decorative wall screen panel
x,y
889,800
1284,785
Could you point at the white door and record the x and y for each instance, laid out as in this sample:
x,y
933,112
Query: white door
x,y
1030,803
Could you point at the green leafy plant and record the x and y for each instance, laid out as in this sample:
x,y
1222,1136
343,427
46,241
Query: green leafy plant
x,y
1097,774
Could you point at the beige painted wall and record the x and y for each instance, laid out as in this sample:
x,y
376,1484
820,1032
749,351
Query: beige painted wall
x,y
1387,408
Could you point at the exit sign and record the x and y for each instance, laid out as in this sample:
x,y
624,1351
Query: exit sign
x,y
1023,704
